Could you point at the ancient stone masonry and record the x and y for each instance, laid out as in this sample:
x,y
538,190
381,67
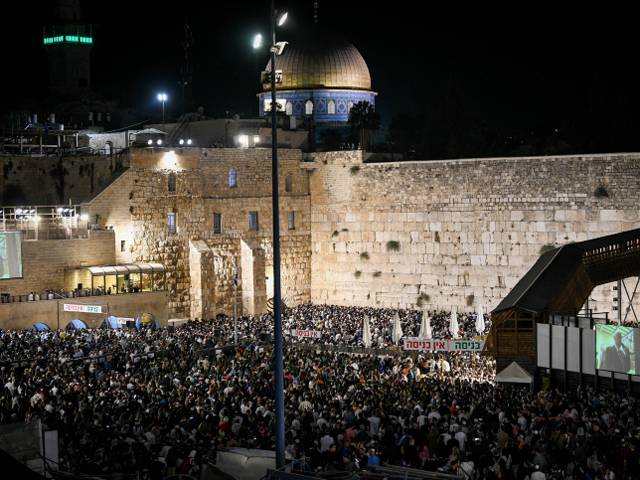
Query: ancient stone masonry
x,y
462,232
434,234
211,209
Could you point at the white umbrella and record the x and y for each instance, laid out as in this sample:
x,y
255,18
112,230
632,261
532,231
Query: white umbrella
x,y
453,324
366,332
480,326
425,326
397,329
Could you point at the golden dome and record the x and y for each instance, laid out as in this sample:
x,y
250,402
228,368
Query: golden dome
x,y
321,60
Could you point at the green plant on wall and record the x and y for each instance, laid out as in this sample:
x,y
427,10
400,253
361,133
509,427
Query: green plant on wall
x,y
422,299
470,300
357,273
393,246
377,274
354,169
364,256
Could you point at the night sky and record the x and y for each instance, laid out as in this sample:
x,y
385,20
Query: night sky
x,y
524,67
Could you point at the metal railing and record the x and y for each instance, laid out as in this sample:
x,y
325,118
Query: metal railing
x,y
45,222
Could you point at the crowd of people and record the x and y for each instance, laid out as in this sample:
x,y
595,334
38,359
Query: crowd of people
x,y
341,325
127,412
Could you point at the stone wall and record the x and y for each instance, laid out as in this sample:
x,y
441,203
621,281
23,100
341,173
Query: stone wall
x,y
460,232
138,205
24,315
51,264
49,180
466,231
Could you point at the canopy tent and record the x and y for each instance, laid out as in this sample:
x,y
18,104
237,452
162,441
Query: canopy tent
x,y
76,324
39,326
110,322
514,373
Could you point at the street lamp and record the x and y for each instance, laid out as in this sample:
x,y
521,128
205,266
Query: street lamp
x,y
163,98
276,49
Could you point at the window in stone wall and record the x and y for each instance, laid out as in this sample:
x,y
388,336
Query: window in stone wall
x,y
171,223
123,245
233,178
217,223
253,221
291,216
308,107
172,182
288,184
331,107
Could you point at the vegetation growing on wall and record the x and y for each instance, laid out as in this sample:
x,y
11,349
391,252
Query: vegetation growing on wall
x,y
393,246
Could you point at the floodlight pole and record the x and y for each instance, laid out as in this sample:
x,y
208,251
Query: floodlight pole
x,y
277,299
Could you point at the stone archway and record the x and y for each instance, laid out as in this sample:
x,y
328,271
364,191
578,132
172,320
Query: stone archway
x,y
75,325
147,320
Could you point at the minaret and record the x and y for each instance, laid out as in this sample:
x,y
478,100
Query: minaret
x,y
68,43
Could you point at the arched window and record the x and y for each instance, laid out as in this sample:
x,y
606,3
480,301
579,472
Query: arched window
x,y
233,178
288,184
289,108
172,182
331,107
308,107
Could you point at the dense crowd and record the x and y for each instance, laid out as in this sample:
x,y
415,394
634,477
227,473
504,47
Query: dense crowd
x,y
340,325
133,415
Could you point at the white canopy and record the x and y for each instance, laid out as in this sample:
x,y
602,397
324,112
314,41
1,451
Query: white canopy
x,y
514,373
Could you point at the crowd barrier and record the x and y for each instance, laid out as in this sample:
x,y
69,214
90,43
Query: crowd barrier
x,y
323,347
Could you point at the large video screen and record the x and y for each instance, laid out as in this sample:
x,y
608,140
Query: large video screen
x,y
10,255
615,348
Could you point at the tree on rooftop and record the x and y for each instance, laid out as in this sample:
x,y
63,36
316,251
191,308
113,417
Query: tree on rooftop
x,y
363,120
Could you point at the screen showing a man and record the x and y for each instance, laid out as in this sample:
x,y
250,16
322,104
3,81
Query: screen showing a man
x,y
615,349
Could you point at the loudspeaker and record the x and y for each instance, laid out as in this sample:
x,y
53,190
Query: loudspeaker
x,y
217,332
171,329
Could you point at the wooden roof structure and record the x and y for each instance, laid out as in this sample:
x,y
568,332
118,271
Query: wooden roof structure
x,y
561,280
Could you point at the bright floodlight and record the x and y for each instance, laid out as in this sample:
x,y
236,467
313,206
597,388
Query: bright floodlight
x,y
162,97
283,19
257,42
159,142
149,142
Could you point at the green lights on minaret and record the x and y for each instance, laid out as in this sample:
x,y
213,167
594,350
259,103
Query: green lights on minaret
x,y
67,39
68,33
